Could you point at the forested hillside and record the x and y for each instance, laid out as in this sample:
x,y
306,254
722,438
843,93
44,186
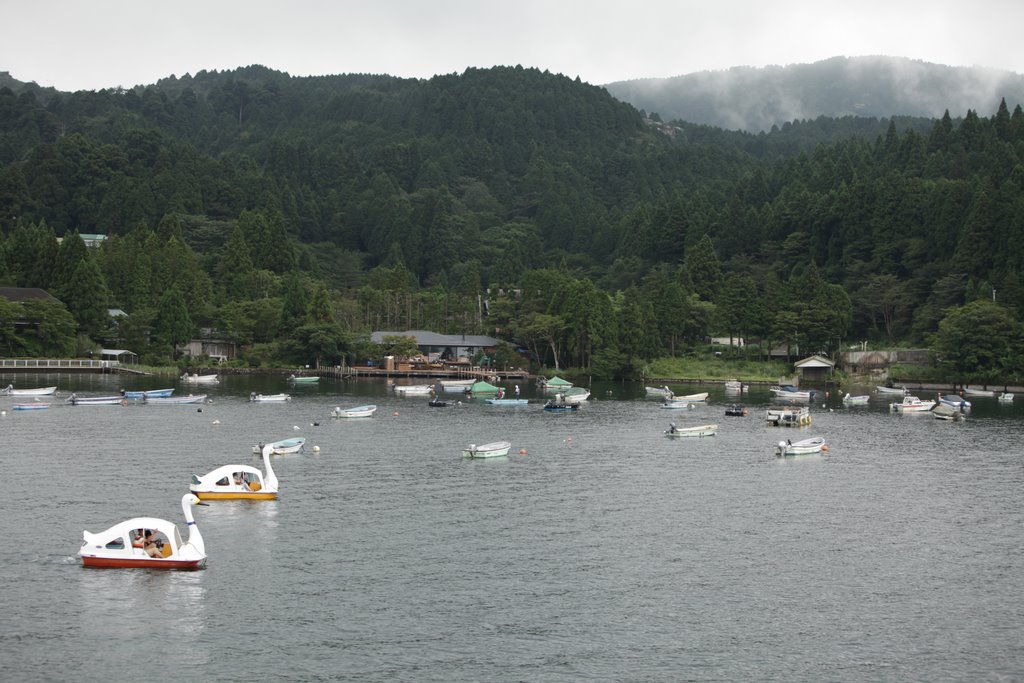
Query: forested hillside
x,y
756,99
293,215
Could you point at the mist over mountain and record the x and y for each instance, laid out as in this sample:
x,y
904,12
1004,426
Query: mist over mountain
x,y
755,99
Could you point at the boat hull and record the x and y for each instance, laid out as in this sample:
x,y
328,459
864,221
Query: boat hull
x,y
30,406
234,495
701,430
175,400
141,563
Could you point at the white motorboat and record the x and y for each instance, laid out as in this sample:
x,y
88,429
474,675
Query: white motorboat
x,y
968,391
912,404
658,391
282,447
696,430
200,379
9,390
147,543
944,411
413,389
788,416
457,384
76,400
805,447
269,398
954,401
176,400
678,404
734,385
358,411
861,400
488,450
784,394
576,395
891,390
695,398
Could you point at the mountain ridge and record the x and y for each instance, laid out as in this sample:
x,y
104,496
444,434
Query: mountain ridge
x,y
756,98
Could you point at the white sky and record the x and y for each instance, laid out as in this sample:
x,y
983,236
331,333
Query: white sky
x,y
75,44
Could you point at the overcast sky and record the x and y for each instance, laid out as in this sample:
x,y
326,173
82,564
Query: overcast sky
x,y
74,44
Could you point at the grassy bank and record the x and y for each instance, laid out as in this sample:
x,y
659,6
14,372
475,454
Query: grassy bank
x,y
715,369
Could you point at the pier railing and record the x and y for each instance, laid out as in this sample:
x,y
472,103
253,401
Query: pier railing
x,y
57,364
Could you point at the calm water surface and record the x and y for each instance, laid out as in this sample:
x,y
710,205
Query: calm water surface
x,y
605,552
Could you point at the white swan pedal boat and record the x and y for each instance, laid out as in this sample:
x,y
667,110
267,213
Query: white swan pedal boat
x,y
488,450
238,482
118,546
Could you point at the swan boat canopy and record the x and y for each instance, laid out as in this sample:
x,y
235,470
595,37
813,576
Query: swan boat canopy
x,y
238,482
358,411
9,390
118,546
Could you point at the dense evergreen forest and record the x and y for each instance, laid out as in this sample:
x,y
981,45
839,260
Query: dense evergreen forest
x,y
294,215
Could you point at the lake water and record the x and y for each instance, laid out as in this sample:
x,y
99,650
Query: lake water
x,y
605,552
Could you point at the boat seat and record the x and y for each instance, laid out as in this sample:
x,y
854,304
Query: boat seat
x,y
255,486
167,550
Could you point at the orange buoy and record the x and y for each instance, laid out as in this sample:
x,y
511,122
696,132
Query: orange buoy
x,y
395,414
824,449
522,451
